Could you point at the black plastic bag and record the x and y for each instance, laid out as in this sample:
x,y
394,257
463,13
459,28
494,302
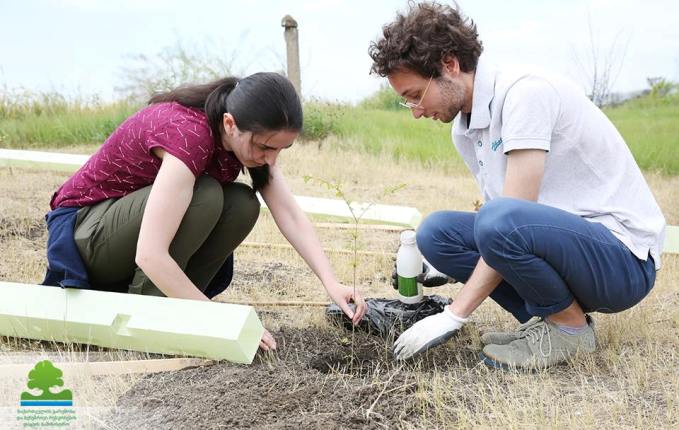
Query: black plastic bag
x,y
390,317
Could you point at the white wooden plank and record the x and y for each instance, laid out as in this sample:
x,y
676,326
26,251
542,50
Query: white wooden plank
x,y
398,215
130,321
39,159
671,240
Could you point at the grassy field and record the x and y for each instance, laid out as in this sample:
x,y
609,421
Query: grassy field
x,y
75,125
651,129
648,125
631,381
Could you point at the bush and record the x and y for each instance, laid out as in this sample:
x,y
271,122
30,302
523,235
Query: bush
x,y
321,120
661,87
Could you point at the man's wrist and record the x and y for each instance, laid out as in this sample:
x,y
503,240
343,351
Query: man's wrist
x,y
455,314
455,318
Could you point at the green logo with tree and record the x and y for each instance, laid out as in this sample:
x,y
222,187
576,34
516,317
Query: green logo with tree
x,y
43,377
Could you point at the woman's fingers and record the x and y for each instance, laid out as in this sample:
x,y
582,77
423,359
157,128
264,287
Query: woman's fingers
x,y
344,305
268,342
360,307
343,296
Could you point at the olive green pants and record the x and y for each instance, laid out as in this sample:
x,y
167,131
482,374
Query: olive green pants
x,y
217,220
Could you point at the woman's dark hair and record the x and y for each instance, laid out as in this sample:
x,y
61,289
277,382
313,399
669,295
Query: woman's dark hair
x,y
419,39
259,103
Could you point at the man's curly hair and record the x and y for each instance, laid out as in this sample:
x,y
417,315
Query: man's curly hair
x,y
420,38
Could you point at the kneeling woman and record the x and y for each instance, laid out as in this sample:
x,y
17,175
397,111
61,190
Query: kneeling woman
x,y
156,210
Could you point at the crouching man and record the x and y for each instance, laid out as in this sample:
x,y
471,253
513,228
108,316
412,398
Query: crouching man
x,y
569,225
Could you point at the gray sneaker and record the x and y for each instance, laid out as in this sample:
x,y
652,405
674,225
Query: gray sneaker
x,y
506,337
541,345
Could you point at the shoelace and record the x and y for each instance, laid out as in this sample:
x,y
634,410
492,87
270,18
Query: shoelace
x,y
529,323
536,333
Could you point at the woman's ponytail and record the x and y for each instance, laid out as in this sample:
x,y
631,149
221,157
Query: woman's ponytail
x,y
216,105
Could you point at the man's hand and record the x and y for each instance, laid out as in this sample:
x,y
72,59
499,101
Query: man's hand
x,y
427,333
430,277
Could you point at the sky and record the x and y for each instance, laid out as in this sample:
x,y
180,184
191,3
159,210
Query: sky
x,y
80,46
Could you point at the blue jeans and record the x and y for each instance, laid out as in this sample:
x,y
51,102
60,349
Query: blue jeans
x,y
547,257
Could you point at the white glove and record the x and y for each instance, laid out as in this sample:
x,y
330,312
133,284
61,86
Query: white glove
x,y
427,333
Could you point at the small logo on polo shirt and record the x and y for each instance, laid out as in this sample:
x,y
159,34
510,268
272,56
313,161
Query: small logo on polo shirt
x,y
495,145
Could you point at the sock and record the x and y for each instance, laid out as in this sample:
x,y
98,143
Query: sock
x,y
572,330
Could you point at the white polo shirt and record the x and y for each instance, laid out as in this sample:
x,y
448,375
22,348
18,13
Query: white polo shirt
x,y
589,169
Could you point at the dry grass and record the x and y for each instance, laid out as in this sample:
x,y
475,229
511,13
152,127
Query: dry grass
x,y
632,381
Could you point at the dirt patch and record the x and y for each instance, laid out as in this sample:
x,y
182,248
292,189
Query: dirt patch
x,y
275,275
26,228
316,379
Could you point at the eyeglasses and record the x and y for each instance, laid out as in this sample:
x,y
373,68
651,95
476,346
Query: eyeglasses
x,y
410,105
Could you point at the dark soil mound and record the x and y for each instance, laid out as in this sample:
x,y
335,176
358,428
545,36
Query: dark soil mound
x,y
315,379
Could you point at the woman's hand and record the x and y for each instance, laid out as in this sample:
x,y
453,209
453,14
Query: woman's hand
x,y
268,342
342,296
297,229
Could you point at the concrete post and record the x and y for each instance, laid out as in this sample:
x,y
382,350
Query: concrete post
x,y
292,46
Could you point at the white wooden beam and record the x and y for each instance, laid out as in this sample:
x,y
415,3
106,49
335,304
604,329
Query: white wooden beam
x,y
671,240
42,160
399,215
165,325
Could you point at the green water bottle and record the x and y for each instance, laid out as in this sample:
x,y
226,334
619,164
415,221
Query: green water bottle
x,y
408,266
